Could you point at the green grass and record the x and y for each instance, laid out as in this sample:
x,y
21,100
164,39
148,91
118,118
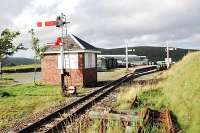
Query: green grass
x,y
110,126
22,100
148,94
153,128
6,81
18,102
21,67
14,76
112,74
180,92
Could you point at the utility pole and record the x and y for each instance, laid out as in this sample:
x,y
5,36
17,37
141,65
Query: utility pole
x,y
167,55
126,43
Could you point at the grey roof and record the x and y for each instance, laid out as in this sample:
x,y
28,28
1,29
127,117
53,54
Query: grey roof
x,y
72,43
84,44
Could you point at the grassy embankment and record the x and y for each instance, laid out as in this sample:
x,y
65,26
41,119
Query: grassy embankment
x,y
19,101
179,91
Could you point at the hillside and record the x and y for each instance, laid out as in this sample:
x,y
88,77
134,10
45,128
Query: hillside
x,y
152,53
13,61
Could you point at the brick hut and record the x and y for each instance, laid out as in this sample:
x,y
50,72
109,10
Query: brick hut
x,y
80,60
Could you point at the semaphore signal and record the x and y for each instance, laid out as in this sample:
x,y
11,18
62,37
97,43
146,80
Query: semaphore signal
x,y
57,42
46,23
59,23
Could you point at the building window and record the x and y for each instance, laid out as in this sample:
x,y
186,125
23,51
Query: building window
x,y
90,61
70,61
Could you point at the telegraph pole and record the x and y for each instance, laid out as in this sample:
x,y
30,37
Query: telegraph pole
x,y
126,54
167,55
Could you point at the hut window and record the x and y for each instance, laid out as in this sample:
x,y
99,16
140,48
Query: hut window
x,y
90,61
71,61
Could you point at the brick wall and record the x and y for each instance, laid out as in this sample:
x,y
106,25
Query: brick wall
x,y
50,73
90,77
79,77
76,77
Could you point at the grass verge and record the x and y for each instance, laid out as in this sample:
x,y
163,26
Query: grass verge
x,y
6,81
21,68
180,92
20,101
111,74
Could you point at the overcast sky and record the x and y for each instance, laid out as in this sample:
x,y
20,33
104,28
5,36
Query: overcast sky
x,y
107,23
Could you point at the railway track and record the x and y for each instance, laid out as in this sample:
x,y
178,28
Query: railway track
x,y
167,121
162,117
57,120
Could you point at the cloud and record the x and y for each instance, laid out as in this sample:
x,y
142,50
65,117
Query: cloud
x,y
107,23
163,20
10,8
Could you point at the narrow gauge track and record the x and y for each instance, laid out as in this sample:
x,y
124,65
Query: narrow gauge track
x,y
57,120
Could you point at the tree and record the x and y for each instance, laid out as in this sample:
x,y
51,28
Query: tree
x,y
7,47
38,51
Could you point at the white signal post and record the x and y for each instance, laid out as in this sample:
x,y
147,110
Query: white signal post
x,y
126,51
167,55
62,47
126,43
63,17
60,23
62,61
168,59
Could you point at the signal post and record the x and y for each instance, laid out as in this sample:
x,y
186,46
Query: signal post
x,y
59,23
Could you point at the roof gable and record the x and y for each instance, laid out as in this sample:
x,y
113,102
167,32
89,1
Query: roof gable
x,y
72,43
84,44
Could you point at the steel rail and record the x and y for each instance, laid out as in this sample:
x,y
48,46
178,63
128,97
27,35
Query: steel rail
x,y
58,119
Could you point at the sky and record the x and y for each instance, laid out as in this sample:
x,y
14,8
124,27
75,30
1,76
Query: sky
x,y
107,23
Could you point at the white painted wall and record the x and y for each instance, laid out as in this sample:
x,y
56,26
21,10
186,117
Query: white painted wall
x,y
90,61
70,61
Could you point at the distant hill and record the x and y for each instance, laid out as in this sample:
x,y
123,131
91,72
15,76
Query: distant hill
x,y
13,61
152,53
